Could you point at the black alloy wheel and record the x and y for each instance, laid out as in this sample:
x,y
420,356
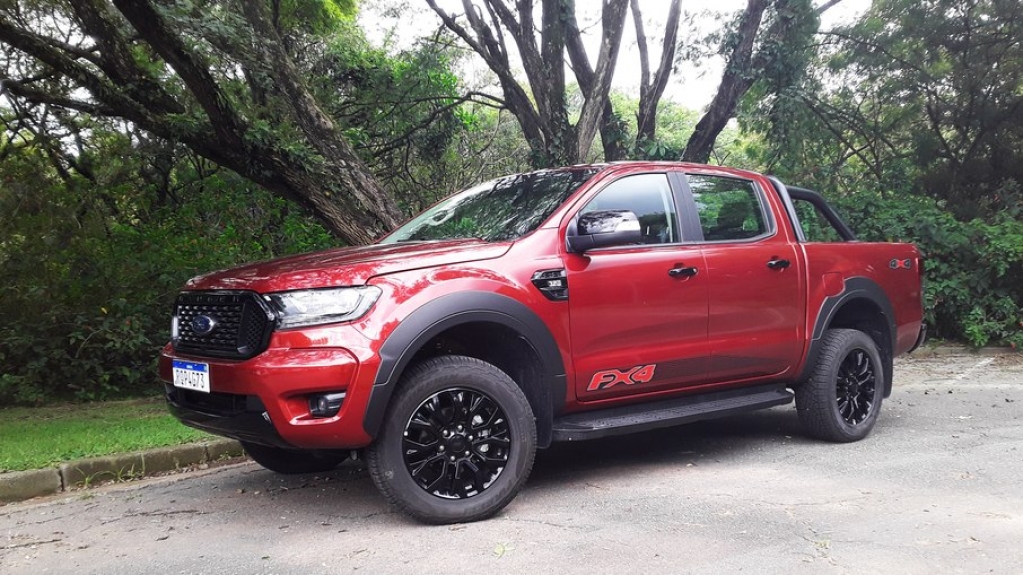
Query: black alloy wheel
x,y
857,387
456,443
841,400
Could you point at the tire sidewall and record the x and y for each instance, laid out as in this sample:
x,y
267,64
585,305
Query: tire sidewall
x,y
386,457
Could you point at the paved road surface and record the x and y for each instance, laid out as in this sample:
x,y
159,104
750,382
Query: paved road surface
x,y
938,488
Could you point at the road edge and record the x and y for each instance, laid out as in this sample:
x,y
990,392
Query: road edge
x,y
19,486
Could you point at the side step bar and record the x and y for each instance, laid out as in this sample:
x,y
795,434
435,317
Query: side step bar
x,y
666,413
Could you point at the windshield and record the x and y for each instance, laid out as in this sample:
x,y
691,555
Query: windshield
x,y
501,209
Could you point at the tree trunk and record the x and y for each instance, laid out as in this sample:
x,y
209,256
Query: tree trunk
x,y
735,82
541,110
650,92
780,41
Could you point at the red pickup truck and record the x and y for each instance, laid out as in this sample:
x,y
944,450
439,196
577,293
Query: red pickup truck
x,y
557,305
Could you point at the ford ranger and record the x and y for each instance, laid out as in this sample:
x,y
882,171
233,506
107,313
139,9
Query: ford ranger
x,y
558,305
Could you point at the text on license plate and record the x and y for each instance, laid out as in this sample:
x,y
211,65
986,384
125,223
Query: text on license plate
x,y
191,375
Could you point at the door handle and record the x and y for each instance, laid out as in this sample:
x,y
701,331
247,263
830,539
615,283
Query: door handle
x,y
682,272
777,264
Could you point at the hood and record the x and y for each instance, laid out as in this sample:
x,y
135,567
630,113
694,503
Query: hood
x,y
346,266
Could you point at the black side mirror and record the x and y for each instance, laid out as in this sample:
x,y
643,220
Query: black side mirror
x,y
603,228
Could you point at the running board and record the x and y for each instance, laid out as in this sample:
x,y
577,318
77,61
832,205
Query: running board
x,y
666,413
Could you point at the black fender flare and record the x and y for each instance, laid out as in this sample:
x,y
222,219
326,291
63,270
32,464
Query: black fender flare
x,y
452,310
855,288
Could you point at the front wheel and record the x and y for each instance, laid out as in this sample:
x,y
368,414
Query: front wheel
x,y
842,399
457,443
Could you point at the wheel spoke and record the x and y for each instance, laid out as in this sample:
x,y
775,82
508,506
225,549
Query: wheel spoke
x,y
843,407
457,405
423,425
433,484
415,448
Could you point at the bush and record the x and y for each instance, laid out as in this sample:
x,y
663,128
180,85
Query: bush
x,y
86,308
974,269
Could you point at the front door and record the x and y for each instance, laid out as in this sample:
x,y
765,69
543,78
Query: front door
x,y
638,313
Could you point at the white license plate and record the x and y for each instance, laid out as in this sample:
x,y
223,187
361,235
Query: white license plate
x,y
191,375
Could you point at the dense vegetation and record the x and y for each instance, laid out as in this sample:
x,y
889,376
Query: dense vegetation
x,y
913,125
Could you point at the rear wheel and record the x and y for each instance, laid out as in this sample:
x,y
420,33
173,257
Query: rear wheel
x,y
842,399
457,443
292,462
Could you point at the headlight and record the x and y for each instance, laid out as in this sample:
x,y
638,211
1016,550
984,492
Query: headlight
x,y
318,306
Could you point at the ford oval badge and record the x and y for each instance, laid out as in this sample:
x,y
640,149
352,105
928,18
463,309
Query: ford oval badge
x,y
203,325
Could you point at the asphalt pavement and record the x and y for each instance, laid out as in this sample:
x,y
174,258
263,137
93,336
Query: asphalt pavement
x,y
935,489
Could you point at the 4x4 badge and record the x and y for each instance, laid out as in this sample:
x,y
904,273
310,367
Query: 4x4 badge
x,y
612,377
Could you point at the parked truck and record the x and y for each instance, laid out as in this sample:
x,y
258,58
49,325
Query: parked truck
x,y
559,305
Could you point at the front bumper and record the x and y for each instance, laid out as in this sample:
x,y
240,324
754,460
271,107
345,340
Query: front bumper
x,y
239,417
265,399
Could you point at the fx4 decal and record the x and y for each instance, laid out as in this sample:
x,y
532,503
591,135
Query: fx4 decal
x,y
612,377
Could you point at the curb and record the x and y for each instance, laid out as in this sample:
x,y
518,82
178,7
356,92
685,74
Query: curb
x,y
943,349
21,485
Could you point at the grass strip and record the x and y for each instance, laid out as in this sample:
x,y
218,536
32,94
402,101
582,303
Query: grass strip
x,y
39,437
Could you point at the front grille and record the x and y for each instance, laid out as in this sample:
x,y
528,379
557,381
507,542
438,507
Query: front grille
x,y
242,323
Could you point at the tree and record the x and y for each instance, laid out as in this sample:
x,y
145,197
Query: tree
x,y
954,70
542,110
217,77
922,97
652,88
755,52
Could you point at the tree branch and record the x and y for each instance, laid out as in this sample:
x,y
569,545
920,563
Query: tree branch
x,y
190,66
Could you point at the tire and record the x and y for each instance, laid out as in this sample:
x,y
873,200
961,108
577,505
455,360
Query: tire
x,y
292,462
457,443
842,399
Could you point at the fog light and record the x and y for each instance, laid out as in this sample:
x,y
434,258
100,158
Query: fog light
x,y
326,404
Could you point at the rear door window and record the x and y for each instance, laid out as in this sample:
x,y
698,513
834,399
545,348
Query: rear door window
x,y
729,209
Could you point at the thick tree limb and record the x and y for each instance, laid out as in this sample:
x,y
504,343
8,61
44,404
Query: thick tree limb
x,y
193,69
735,82
613,23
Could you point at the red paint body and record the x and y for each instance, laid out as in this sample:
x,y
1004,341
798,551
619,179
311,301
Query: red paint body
x,y
737,322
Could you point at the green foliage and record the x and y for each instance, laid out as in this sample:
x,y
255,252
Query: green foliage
x,y
90,280
917,97
921,100
315,16
401,111
974,270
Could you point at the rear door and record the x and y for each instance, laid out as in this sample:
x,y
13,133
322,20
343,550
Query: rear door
x,y
637,326
754,278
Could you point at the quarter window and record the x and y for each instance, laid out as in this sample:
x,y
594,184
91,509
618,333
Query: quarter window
x,y
815,226
649,197
729,208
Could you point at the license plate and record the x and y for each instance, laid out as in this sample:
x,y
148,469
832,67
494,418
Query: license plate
x,y
191,375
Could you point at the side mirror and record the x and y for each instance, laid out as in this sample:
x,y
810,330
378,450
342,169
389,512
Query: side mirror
x,y
603,228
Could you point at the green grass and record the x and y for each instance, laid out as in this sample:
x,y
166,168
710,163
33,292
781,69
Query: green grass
x,y
38,437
